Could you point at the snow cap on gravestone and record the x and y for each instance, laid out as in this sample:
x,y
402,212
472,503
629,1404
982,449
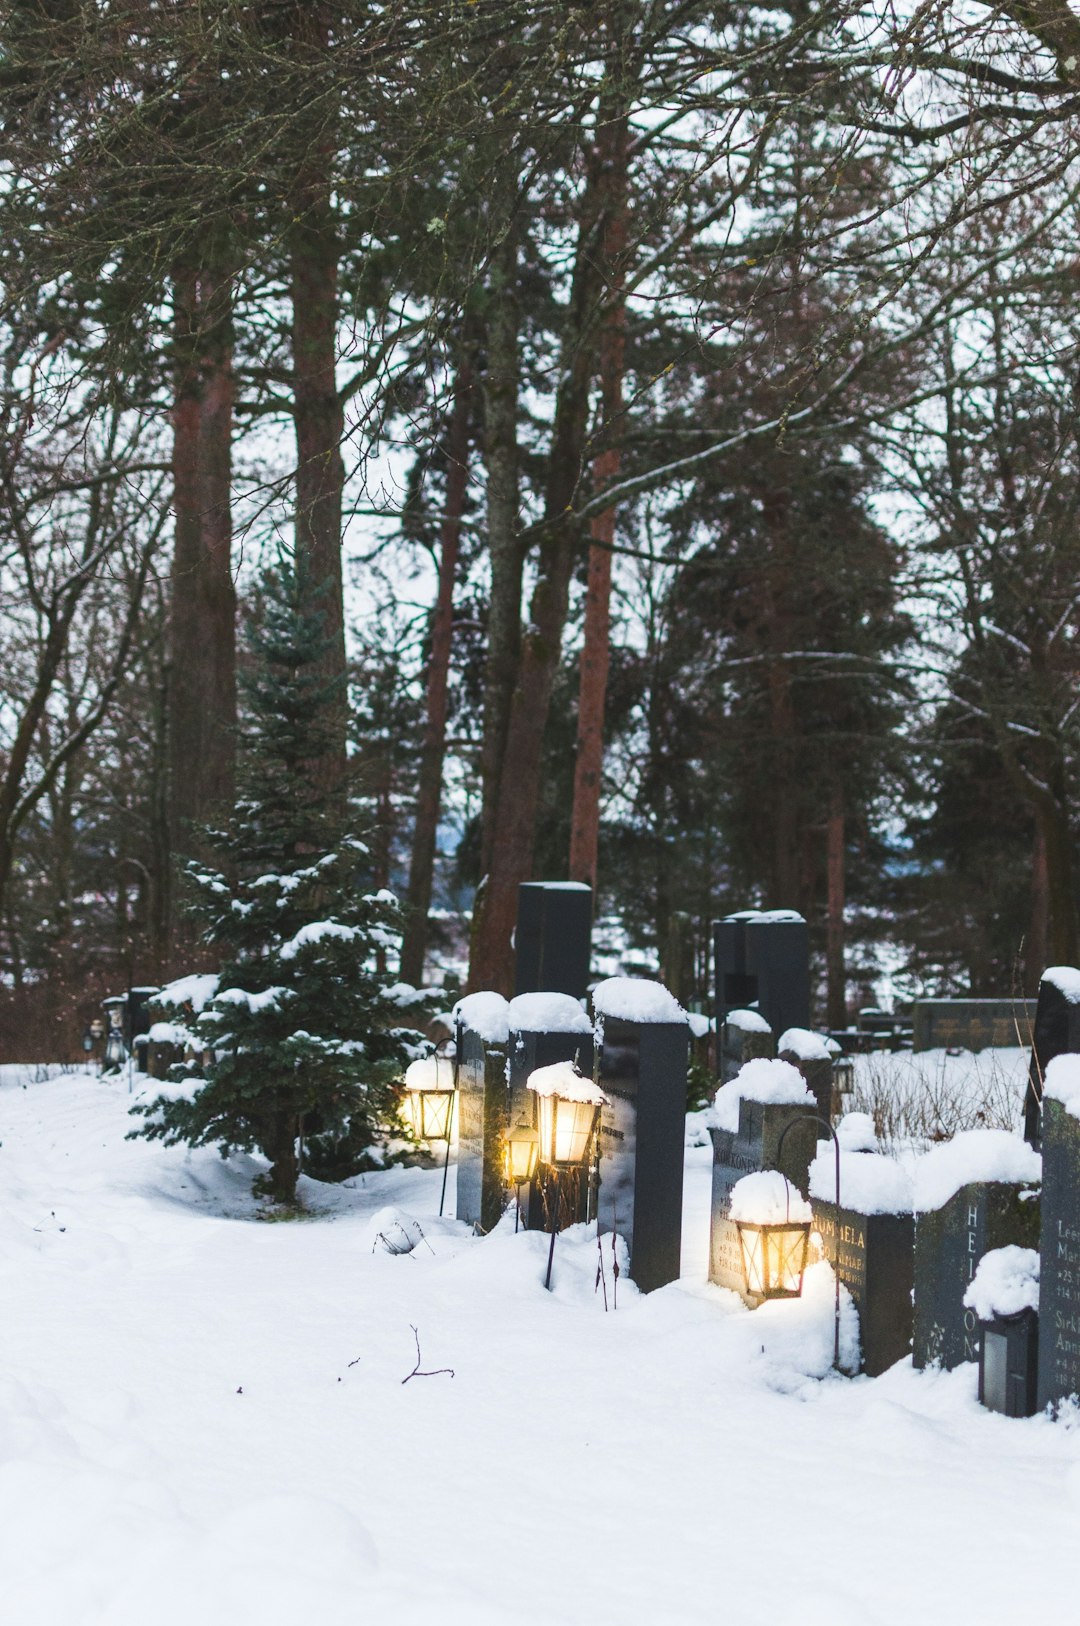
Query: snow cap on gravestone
x,y
636,999
974,1157
547,1013
1066,979
486,1013
770,1082
805,1044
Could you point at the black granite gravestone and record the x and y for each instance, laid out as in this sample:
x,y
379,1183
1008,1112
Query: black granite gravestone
x,y
744,1037
641,1068
808,1052
1008,1364
762,958
1057,1033
874,1256
949,1242
971,1024
1059,1257
553,938
483,1107
530,1048
751,1147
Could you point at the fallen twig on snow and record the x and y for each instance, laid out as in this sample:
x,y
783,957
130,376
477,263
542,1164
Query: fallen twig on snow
x,y
439,1371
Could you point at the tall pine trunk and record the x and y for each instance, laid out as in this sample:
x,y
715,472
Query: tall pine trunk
x,y
836,985
433,748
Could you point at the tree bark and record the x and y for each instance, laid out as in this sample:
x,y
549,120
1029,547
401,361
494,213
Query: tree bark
x,y
1035,961
202,618
317,411
836,984
433,748
596,647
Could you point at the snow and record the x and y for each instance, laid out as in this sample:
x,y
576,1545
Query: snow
x,y
1062,1082
267,1000
699,1023
317,931
856,1132
547,1013
1006,1281
562,1079
747,1022
486,1014
774,915
1066,979
203,1418
430,1073
636,999
976,1155
804,1044
168,1033
196,991
870,1182
767,1198
766,1080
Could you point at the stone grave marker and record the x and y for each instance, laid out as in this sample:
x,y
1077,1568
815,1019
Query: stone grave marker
x,y
553,938
750,1115
483,1106
971,1024
544,1028
1057,1033
1059,1249
744,1036
642,1048
810,1053
762,959
870,1242
973,1193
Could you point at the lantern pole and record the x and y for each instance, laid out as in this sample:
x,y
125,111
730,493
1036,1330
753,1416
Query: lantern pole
x,y
450,1115
815,1117
554,1186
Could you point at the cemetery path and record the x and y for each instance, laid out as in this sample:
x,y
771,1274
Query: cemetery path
x,y
203,1417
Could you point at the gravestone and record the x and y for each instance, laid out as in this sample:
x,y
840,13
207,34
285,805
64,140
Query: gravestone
x,y
483,1107
746,1136
949,1242
1057,1033
810,1053
553,938
1059,1250
744,1036
762,959
545,1028
971,1024
642,1050
869,1239
1008,1364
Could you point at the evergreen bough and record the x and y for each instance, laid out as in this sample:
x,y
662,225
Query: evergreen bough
x,y
300,1033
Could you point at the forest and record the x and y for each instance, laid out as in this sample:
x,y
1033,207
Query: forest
x,y
673,409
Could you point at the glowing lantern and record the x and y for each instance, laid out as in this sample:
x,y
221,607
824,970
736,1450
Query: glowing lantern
x,y
521,1152
429,1098
569,1112
773,1221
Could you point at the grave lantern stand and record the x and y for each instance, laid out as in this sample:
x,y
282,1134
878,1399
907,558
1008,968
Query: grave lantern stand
x,y
544,1029
430,1092
483,1122
568,1111
774,1257
521,1157
1008,1364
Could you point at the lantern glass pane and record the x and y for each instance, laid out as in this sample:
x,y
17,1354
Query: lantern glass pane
x,y
522,1151
436,1107
774,1258
753,1247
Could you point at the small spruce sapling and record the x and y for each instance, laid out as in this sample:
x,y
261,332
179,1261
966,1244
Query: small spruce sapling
x,y
300,1033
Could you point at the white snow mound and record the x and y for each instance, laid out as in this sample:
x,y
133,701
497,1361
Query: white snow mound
x,y
486,1014
870,1183
976,1155
1005,1282
747,1022
767,1198
636,999
563,1079
547,1013
804,1044
1062,1082
1066,979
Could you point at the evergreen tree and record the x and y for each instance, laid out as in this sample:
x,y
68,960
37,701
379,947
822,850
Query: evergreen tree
x,y
301,1034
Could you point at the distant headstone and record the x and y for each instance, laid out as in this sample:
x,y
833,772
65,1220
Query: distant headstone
x,y
972,1024
746,1138
483,1107
744,1036
950,1239
545,1028
1057,1033
641,1066
553,938
762,959
1059,1273
810,1053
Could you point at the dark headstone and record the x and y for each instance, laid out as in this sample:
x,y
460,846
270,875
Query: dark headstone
x,y
137,1020
972,1024
483,1108
949,1242
739,1044
762,958
527,1052
641,1068
553,939
1057,1033
817,1072
874,1256
1008,1364
752,1147
1059,1262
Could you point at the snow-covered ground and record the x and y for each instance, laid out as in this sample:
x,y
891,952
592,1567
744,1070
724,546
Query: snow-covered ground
x,y
203,1420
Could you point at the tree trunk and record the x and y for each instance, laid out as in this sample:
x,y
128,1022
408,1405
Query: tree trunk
x,y
1035,961
280,1147
596,647
433,749
317,411
1062,928
836,989
202,620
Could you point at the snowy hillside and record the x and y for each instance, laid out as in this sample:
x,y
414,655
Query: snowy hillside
x,y
203,1419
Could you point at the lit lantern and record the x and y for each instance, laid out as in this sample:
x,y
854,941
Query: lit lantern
x,y
521,1152
569,1112
773,1221
429,1098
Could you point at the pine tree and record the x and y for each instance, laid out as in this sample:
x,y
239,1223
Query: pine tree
x,y
301,1033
